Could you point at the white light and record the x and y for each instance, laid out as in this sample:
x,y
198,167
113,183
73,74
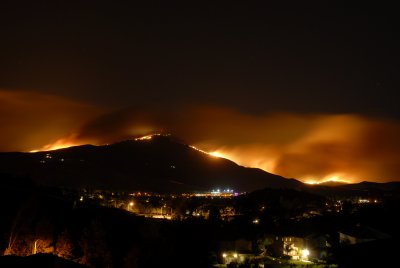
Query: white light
x,y
224,255
305,253
235,255
216,154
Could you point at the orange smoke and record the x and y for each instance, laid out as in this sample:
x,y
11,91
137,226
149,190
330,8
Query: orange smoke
x,y
30,119
309,147
312,148
330,178
60,144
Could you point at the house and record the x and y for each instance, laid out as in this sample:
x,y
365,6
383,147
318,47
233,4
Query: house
x,y
236,251
301,246
293,246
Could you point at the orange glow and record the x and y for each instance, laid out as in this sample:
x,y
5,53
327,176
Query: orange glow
x,y
58,144
312,182
149,137
144,138
217,154
214,153
197,149
31,119
248,156
267,158
330,178
312,148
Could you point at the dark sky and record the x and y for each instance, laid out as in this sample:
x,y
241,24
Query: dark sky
x,y
106,70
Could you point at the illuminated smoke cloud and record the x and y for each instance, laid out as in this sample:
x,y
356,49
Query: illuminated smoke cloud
x,y
32,120
312,148
309,147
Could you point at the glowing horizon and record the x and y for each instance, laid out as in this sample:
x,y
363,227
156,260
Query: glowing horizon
x,y
217,154
331,179
59,144
54,147
220,153
307,147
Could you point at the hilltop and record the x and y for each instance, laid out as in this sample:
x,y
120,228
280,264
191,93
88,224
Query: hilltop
x,y
152,163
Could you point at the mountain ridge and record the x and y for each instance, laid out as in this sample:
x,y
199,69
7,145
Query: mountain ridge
x,y
156,163
160,163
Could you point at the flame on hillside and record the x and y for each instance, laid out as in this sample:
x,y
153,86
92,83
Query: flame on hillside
x,y
150,136
330,178
58,144
266,160
217,154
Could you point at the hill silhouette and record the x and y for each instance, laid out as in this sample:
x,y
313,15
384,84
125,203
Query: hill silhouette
x,y
160,163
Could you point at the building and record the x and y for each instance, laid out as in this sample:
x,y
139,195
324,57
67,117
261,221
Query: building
x,y
301,246
236,251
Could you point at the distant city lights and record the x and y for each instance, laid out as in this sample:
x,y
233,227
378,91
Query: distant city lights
x,y
218,193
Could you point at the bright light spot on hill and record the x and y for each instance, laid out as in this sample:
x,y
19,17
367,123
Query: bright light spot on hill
x,y
217,154
330,178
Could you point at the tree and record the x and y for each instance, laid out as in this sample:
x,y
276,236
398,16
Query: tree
x,y
20,237
64,246
94,246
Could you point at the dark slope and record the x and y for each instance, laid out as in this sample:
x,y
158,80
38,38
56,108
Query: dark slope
x,y
38,260
158,164
356,189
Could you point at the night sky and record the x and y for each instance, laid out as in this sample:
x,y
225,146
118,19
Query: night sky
x,y
305,91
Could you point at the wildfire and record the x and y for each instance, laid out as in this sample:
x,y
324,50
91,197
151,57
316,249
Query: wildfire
x,y
217,154
59,144
330,178
197,149
245,159
149,137
266,160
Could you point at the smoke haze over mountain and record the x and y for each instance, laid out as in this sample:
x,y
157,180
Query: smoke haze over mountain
x,y
310,147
